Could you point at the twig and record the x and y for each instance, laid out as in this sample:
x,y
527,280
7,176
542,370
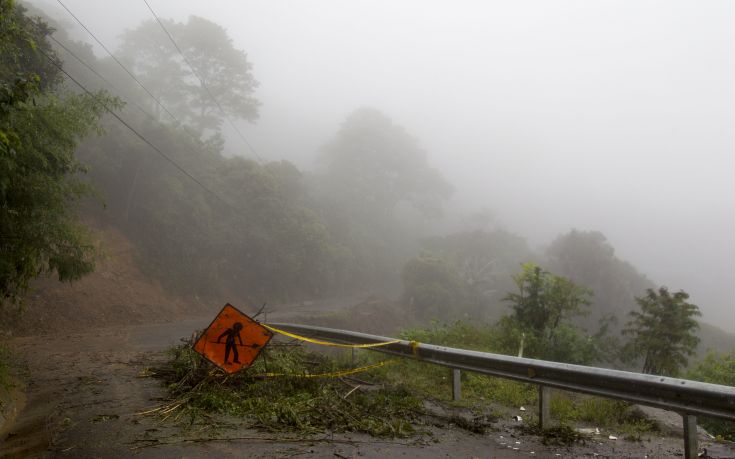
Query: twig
x,y
158,408
262,308
351,391
164,419
171,408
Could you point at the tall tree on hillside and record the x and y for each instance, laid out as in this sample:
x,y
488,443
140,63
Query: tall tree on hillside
x,y
432,288
376,188
544,300
40,126
542,317
663,331
587,258
221,76
373,165
480,262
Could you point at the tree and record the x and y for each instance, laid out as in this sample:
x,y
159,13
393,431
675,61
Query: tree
x,y
220,71
588,259
481,263
376,190
40,126
663,331
22,49
716,368
541,319
544,300
432,288
372,165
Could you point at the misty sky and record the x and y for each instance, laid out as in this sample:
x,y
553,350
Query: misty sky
x,y
596,115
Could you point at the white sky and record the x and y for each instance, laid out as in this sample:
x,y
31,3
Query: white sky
x,y
608,115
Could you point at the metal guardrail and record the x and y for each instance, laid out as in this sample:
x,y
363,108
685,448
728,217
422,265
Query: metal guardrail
x,y
688,398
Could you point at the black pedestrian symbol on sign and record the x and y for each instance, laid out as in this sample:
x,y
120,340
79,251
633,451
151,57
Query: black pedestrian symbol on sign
x,y
244,339
231,334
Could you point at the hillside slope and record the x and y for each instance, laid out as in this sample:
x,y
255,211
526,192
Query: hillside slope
x,y
715,339
117,293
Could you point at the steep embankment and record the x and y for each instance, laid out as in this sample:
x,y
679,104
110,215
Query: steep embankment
x,y
117,293
715,339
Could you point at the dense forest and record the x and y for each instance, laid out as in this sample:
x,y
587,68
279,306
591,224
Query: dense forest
x,y
361,221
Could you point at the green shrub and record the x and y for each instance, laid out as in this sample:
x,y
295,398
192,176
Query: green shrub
x,y
717,369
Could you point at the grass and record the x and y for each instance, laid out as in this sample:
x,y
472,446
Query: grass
x,y
389,401
718,369
567,409
572,409
432,381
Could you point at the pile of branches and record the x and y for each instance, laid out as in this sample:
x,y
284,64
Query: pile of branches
x,y
288,402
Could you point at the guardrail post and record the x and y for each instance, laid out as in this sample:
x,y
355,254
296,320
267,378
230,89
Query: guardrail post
x,y
544,402
456,384
690,436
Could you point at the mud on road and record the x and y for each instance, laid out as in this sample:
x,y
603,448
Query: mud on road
x,y
84,390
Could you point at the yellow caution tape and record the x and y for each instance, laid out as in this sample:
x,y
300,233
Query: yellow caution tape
x,y
334,374
327,343
414,348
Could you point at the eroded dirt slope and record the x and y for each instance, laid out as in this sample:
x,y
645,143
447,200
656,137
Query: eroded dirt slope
x,y
117,293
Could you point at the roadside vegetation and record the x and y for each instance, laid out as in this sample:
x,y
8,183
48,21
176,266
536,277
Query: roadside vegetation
x,y
717,369
394,398
277,394
284,389
506,396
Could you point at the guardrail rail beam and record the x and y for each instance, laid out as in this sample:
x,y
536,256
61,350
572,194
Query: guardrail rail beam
x,y
692,398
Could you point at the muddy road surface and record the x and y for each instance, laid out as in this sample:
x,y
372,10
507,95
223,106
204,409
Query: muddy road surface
x,y
84,391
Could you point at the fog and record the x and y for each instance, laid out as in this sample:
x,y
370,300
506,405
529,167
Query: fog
x,y
609,116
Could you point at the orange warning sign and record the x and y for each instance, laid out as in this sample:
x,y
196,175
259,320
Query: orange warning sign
x,y
233,340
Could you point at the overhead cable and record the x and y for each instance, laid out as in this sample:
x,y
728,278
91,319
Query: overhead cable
x,y
95,72
201,81
144,111
139,135
119,63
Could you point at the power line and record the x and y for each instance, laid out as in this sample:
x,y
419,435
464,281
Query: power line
x,y
158,102
201,81
144,111
105,80
118,62
138,134
126,124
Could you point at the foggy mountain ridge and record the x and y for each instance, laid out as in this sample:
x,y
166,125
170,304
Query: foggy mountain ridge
x,y
545,114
